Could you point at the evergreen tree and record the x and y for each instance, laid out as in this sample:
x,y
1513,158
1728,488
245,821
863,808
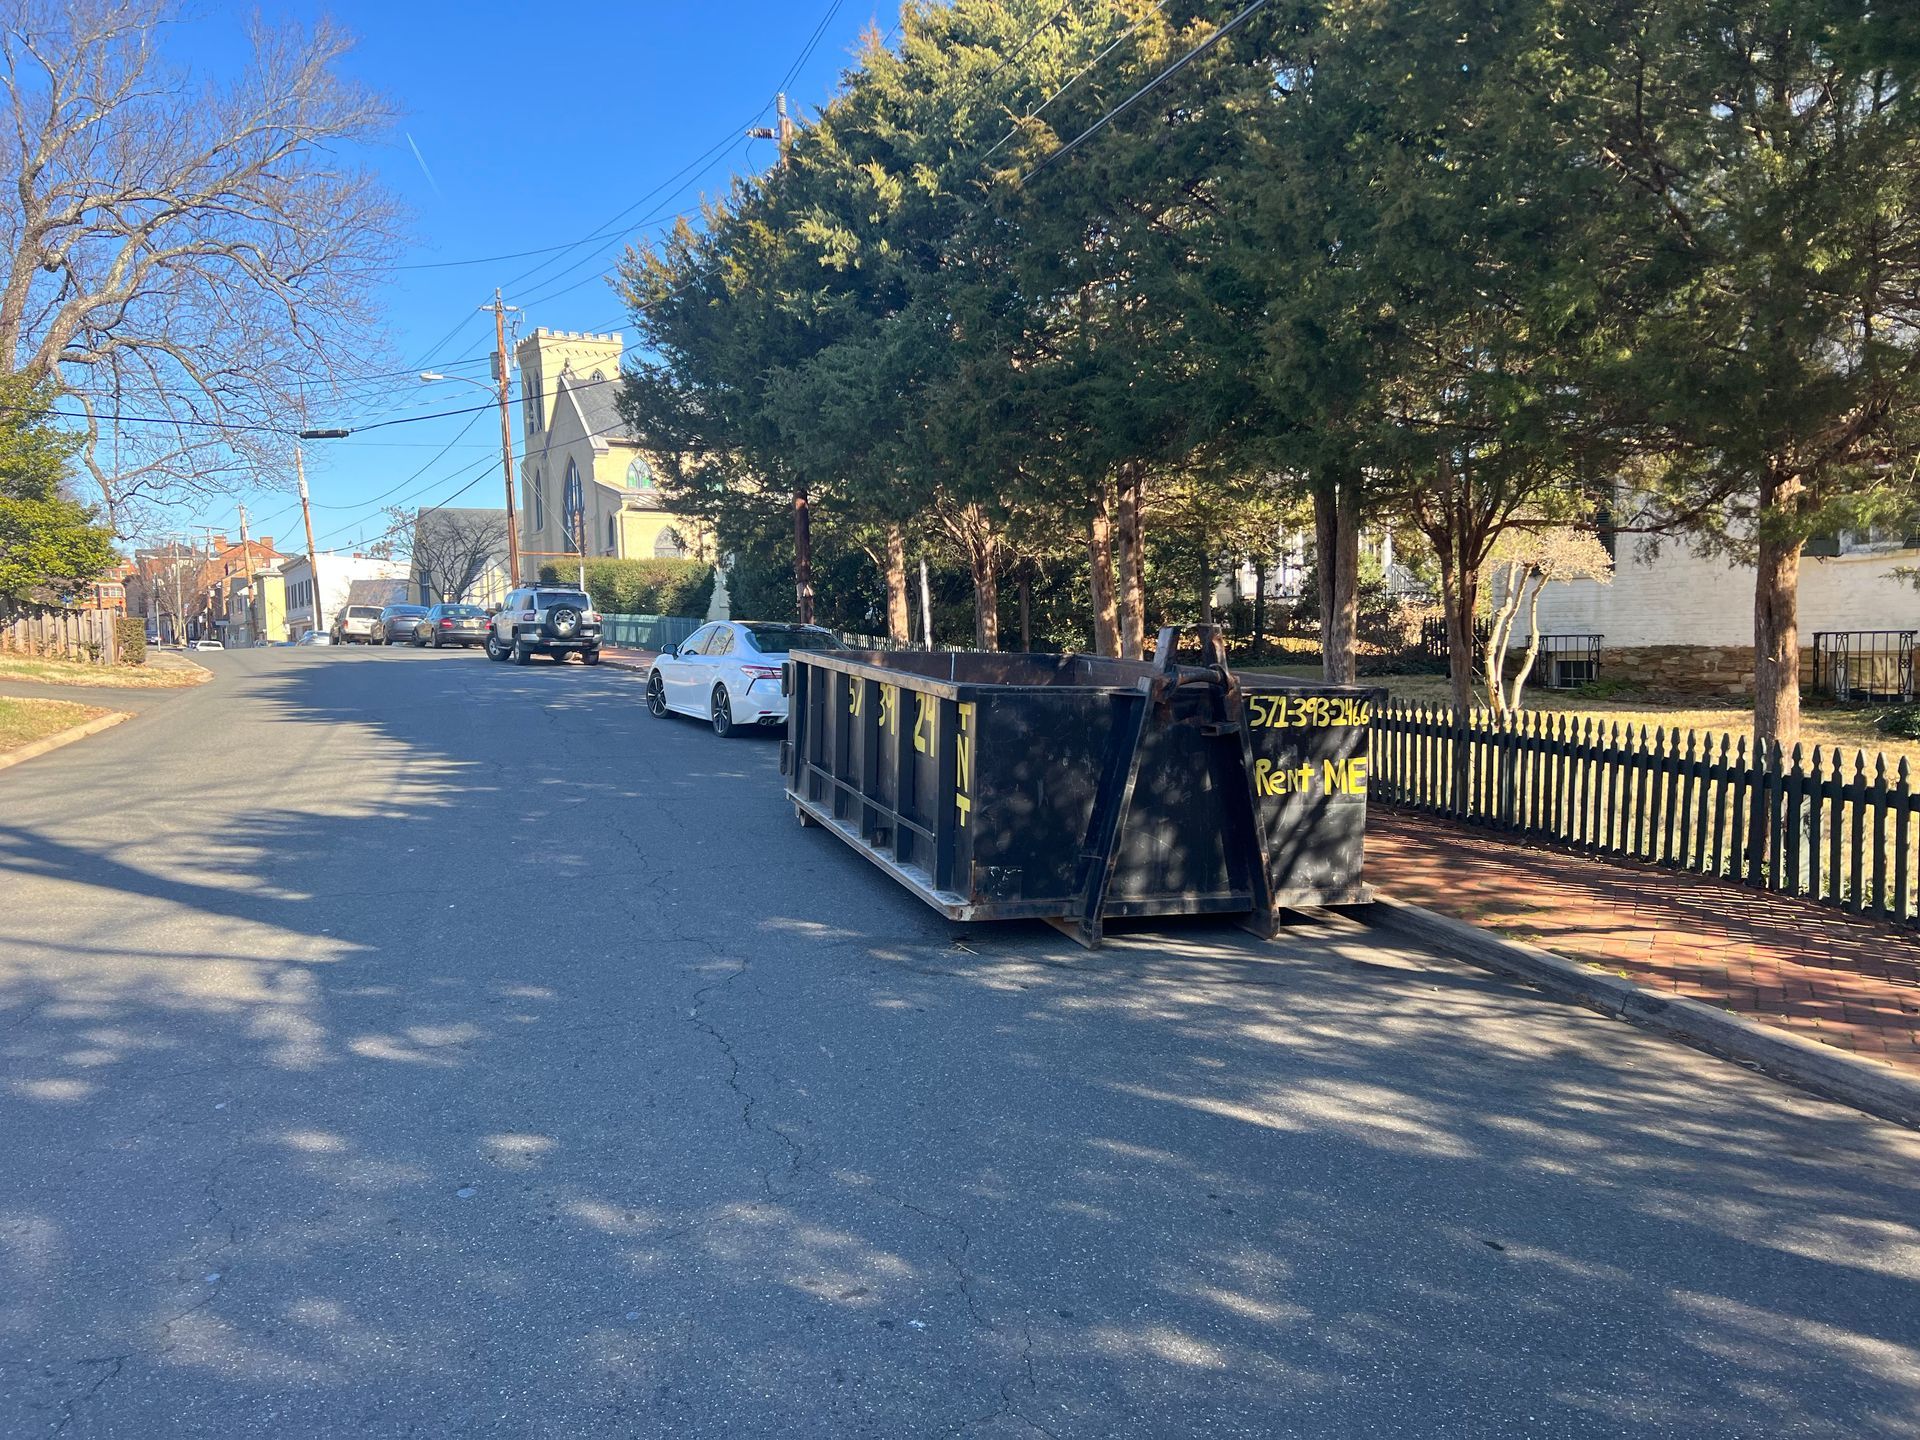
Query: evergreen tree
x,y
49,544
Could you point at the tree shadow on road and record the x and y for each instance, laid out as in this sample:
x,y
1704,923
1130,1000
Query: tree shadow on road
x,y
514,1064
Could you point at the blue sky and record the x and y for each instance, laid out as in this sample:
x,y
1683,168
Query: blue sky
x,y
540,124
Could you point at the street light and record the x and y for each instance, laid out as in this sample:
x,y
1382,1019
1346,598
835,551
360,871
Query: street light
x,y
434,377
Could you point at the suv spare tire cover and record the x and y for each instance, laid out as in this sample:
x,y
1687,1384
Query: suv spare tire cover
x,y
564,620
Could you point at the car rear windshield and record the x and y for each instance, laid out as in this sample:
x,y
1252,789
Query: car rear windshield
x,y
775,639
463,612
363,612
549,598
406,610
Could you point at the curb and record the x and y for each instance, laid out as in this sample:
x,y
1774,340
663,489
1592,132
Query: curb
x,y
64,737
1834,1074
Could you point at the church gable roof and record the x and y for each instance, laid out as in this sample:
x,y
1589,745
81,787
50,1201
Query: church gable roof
x,y
596,403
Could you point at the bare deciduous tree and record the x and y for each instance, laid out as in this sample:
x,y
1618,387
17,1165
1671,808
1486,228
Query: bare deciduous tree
x,y
175,248
1524,559
451,550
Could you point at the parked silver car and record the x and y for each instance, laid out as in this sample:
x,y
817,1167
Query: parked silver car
x,y
556,620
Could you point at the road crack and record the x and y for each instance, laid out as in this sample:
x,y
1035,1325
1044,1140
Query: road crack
x,y
749,1100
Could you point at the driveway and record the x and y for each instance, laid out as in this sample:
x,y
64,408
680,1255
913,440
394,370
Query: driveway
x,y
396,1043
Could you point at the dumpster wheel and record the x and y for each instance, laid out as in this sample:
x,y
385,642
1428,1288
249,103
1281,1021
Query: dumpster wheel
x,y
807,822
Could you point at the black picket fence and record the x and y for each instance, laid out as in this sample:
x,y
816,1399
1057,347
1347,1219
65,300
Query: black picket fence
x,y
1826,827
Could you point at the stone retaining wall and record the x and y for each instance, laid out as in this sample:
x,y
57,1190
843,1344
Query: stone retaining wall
x,y
1689,669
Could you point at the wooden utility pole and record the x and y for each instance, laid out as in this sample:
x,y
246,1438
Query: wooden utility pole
x,y
246,573
506,435
313,562
782,133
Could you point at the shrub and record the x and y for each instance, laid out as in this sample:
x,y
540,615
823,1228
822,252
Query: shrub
x,y
641,587
1902,722
131,632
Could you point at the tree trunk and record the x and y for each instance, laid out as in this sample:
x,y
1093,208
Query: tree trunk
x,y
1500,635
1026,607
1336,533
1776,642
986,595
1106,617
1460,595
899,613
802,558
1533,644
1131,541
1259,607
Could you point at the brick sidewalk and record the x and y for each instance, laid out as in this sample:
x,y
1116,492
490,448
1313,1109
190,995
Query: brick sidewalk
x,y
1842,979
625,659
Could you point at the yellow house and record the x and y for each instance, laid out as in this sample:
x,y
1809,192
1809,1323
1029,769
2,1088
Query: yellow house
x,y
270,605
587,487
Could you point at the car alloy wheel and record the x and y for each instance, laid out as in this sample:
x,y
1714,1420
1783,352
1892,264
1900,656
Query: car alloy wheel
x,y
722,712
521,655
493,646
657,695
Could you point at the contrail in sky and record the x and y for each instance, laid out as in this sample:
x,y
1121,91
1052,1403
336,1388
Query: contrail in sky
x,y
423,165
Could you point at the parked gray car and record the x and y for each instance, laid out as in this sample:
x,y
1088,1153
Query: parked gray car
x,y
397,624
462,625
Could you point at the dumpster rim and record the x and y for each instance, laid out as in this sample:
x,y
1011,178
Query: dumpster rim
x,y
978,689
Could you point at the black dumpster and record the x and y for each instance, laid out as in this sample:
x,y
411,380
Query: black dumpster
x,y
1078,789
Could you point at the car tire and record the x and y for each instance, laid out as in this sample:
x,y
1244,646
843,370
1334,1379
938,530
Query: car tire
x,y
492,644
657,696
521,655
722,712
559,657
589,657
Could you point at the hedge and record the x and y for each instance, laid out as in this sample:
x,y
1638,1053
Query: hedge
x,y
641,587
131,632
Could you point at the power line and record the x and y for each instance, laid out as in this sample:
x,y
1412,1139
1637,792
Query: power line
x,y
480,472
1078,75
806,52
1219,34
541,297
615,227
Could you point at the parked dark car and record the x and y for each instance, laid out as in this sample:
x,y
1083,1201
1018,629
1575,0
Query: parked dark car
x,y
462,625
397,624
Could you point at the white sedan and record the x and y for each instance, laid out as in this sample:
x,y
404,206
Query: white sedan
x,y
729,672
208,644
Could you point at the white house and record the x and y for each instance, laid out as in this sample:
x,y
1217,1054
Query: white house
x,y
337,574
1685,621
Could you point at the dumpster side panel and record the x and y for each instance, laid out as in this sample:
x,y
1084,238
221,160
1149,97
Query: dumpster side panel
x,y
1310,789
1036,773
1173,851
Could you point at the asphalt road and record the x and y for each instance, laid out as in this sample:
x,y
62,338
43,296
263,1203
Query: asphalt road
x,y
400,1044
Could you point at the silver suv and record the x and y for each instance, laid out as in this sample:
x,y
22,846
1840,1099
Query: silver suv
x,y
354,624
556,620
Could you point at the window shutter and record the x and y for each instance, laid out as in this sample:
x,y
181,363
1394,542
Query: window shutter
x,y
1823,547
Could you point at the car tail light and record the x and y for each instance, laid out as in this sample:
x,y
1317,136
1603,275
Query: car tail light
x,y
446,624
529,614
592,617
762,672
